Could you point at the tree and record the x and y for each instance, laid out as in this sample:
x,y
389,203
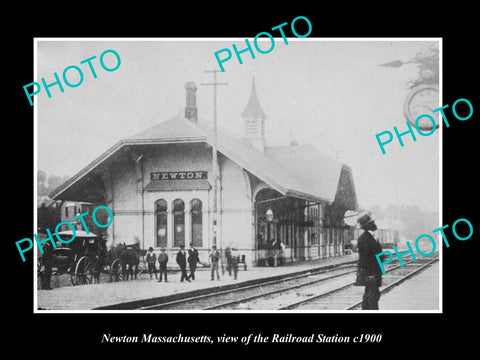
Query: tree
x,y
48,210
54,181
48,217
409,219
41,177
46,184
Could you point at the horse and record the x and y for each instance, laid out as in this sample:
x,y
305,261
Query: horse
x,y
129,258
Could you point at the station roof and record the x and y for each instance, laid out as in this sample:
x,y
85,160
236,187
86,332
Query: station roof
x,y
300,171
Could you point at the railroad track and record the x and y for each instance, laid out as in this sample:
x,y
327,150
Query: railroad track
x,y
328,289
349,297
230,297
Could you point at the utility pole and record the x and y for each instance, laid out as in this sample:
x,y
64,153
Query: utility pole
x,y
216,174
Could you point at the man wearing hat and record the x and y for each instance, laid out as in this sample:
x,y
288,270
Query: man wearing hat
x,y
182,262
215,257
162,261
151,260
234,262
193,259
369,271
47,260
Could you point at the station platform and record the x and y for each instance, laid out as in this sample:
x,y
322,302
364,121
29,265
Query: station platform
x,y
105,294
418,293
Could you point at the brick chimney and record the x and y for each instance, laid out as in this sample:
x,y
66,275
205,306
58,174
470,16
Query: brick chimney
x,y
191,112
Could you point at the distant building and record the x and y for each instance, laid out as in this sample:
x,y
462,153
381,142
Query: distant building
x,y
387,233
159,184
69,209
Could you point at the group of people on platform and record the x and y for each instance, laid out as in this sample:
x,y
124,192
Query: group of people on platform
x,y
192,259
369,273
162,262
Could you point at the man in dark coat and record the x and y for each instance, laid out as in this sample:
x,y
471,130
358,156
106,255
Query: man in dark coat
x,y
47,260
228,256
151,260
162,261
234,262
271,253
214,258
193,259
369,270
182,262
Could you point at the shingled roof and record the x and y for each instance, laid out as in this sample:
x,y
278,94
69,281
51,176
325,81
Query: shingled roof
x,y
301,171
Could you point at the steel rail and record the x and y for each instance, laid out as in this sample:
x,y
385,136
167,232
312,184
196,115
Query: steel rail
x,y
252,297
397,282
317,271
343,287
241,288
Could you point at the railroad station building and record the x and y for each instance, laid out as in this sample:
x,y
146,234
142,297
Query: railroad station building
x,y
159,185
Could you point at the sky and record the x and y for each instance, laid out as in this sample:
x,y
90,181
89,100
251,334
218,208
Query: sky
x,y
325,92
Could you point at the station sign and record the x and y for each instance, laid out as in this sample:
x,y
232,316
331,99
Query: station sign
x,y
179,175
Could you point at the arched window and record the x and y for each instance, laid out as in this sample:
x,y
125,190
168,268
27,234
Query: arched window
x,y
196,221
161,219
178,222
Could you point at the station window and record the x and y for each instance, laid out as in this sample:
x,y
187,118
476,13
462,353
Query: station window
x,y
178,222
161,218
196,219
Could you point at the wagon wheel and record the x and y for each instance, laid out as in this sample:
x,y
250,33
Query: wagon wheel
x,y
83,272
39,273
116,271
73,276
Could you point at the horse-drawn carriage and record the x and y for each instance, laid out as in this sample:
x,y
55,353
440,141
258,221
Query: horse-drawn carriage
x,y
87,257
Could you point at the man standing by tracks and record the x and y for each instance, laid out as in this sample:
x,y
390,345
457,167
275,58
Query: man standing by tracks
x,y
234,262
162,261
47,259
151,260
215,257
369,273
182,262
193,259
228,256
